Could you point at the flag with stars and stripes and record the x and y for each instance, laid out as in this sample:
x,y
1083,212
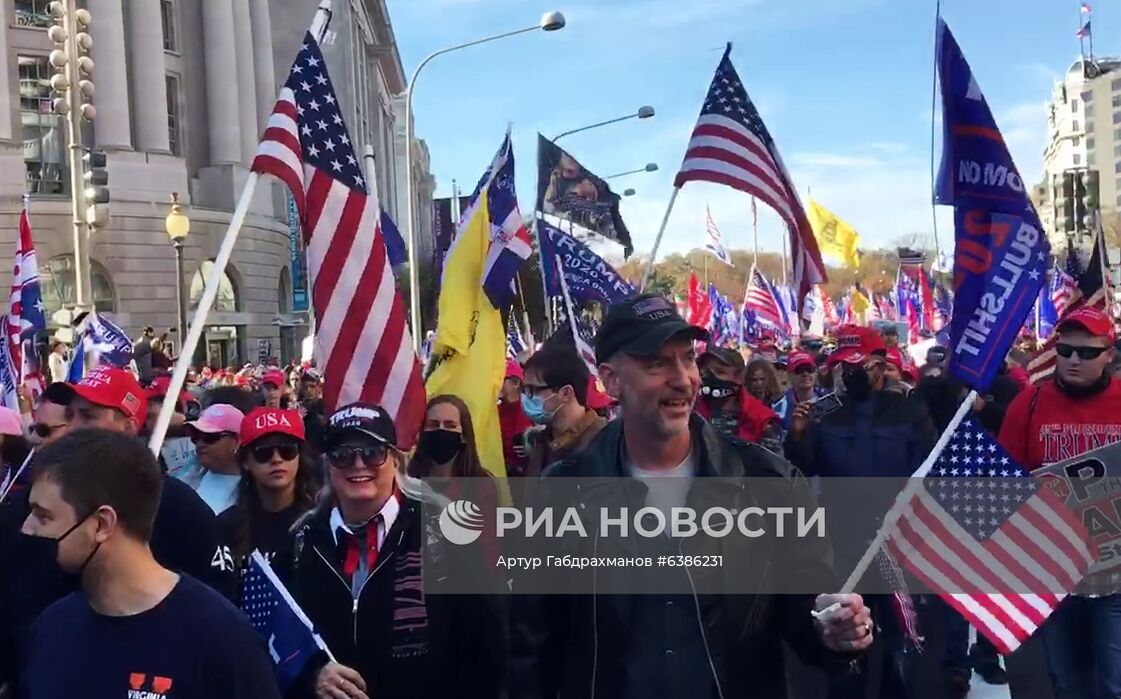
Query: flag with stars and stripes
x,y
25,307
510,246
730,145
715,242
287,632
763,303
993,541
361,339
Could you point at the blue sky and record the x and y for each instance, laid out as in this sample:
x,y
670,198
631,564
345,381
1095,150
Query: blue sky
x,y
843,85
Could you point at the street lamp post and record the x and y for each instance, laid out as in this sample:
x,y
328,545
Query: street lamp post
x,y
644,112
178,226
650,167
550,21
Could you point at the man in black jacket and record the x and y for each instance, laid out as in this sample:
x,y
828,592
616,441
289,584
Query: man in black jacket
x,y
656,645
355,568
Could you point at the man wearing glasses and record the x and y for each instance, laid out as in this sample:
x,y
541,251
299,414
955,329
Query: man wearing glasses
x,y
1053,421
355,568
801,373
215,435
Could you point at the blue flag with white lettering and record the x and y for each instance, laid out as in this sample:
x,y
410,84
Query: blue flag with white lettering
x,y
1000,254
588,276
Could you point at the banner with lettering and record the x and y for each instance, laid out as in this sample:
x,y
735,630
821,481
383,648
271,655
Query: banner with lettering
x,y
1001,251
297,262
588,276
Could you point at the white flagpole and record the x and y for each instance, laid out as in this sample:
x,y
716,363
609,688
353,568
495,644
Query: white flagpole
x,y
903,500
567,302
658,240
225,252
15,476
550,321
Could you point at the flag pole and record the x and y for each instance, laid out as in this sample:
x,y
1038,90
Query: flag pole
x,y
658,240
903,500
225,252
550,321
567,301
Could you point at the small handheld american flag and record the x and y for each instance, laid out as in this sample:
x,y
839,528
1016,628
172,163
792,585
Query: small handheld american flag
x,y
993,541
275,616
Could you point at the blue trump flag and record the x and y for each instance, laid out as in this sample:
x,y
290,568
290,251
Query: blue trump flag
x,y
1000,255
101,341
588,276
276,617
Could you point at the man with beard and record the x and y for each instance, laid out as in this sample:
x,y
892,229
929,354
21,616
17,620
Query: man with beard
x,y
874,433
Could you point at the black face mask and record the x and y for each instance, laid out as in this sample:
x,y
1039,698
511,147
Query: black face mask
x,y
441,446
718,389
43,548
858,385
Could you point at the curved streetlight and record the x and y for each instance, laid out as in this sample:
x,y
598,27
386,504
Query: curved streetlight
x,y
628,192
644,112
550,22
650,167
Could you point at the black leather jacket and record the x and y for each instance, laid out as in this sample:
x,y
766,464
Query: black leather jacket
x,y
573,646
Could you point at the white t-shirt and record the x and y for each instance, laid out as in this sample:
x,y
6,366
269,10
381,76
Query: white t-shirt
x,y
218,490
667,488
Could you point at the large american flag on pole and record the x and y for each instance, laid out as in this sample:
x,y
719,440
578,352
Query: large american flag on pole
x,y
993,541
730,145
361,339
761,301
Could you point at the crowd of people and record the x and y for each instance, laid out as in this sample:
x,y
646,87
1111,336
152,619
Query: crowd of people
x,y
122,574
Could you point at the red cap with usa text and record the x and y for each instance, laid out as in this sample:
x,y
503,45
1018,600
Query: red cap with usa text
x,y
1092,320
266,421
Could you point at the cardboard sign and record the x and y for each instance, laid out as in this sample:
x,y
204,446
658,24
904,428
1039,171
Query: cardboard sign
x,y
1091,486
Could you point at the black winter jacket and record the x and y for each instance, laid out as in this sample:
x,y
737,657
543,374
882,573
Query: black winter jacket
x,y
405,642
574,645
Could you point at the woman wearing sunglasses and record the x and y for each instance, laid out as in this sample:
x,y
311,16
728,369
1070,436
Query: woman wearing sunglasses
x,y
278,484
362,567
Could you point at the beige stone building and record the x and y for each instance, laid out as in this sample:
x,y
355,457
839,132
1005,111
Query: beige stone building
x,y
183,89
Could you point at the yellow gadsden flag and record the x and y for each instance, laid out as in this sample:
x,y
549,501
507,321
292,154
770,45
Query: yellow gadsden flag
x,y
835,237
469,350
860,303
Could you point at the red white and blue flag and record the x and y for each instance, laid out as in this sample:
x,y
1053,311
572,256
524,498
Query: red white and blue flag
x,y
510,244
361,339
731,145
762,303
26,314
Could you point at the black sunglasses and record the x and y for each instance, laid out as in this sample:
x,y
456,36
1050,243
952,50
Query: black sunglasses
x,y
1085,353
342,458
805,369
263,454
44,430
209,437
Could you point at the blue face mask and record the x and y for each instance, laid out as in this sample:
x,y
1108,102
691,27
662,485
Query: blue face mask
x,y
534,409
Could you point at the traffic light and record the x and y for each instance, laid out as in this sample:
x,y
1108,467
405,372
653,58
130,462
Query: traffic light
x,y
1089,199
1064,203
96,193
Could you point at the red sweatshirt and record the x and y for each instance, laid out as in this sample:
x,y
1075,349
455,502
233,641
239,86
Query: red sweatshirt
x,y
512,421
1060,427
754,416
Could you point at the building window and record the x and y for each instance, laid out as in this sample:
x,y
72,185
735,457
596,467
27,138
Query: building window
x,y
56,281
41,129
1073,106
1077,140
1091,160
1116,85
1077,158
33,13
167,17
1087,97
1090,143
227,299
173,140
1117,166
1117,117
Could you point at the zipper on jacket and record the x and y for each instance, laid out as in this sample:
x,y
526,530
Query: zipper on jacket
x,y
701,624
354,597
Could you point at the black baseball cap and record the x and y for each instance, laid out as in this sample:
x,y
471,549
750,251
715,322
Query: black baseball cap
x,y
364,418
640,325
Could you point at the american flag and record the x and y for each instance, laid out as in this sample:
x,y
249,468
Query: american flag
x,y
761,301
1089,290
361,338
25,307
515,345
994,542
730,145
279,621
1064,281
715,242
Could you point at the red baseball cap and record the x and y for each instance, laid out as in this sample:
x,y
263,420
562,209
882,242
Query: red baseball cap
x,y
264,421
850,347
1092,321
798,359
159,386
114,388
514,370
275,377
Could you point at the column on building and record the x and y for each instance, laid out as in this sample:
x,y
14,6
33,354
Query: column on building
x,y
267,89
148,78
6,131
223,120
246,80
113,125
